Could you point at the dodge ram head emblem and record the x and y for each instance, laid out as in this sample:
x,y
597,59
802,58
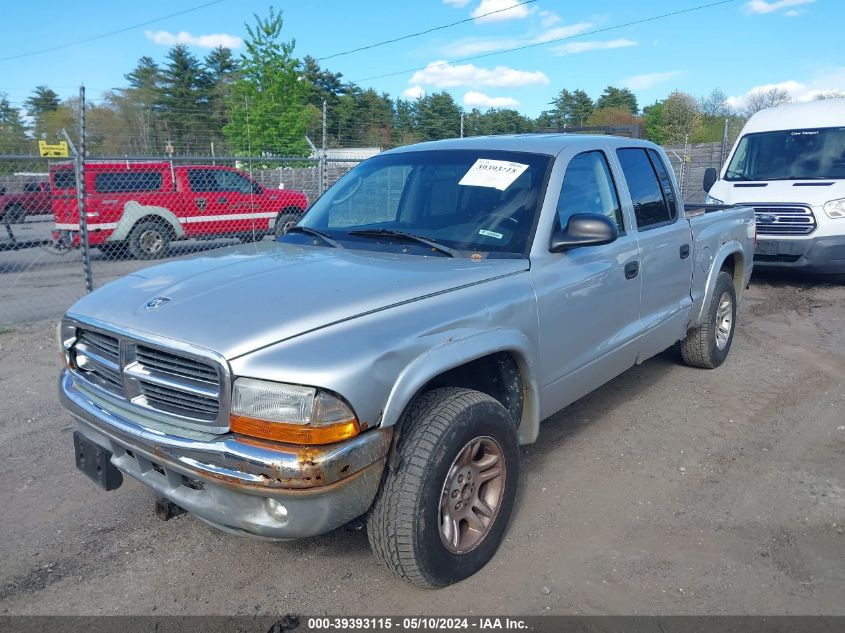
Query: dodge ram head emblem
x,y
156,302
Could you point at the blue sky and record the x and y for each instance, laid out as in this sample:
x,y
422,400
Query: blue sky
x,y
737,46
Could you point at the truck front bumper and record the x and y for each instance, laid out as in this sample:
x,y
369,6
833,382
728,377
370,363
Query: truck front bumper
x,y
815,255
256,488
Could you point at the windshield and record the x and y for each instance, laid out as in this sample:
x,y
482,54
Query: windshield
x,y
810,154
464,201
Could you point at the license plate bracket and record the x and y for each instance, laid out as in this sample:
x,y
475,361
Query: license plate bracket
x,y
766,247
95,462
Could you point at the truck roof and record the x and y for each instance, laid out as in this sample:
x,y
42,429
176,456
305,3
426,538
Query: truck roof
x,y
550,144
792,116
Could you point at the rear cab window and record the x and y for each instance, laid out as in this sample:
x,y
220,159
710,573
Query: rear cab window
x,y
217,180
127,181
650,186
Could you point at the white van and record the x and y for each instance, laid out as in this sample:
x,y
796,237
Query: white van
x,y
789,164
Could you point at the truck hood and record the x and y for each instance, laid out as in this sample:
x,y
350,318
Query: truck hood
x,y
812,192
238,300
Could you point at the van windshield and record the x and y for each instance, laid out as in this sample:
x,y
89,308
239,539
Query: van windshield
x,y
809,154
463,200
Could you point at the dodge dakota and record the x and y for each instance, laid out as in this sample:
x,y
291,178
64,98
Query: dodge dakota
x,y
386,357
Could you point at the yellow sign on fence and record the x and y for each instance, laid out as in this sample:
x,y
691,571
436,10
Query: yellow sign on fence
x,y
53,150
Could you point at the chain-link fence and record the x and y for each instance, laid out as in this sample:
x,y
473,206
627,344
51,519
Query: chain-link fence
x,y
73,225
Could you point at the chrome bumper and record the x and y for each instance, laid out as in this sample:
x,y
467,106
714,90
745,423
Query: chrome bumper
x,y
264,489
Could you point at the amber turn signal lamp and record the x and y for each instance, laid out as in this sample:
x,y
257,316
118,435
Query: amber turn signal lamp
x,y
294,433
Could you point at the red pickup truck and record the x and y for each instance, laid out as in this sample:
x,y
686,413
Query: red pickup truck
x,y
140,208
33,200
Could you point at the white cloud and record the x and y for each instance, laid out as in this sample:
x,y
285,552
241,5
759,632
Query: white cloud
x,y
457,3
212,40
770,6
476,45
414,92
833,81
644,82
792,13
505,10
474,99
442,74
549,18
571,48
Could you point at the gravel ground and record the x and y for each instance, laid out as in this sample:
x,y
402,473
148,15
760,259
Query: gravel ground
x,y
669,490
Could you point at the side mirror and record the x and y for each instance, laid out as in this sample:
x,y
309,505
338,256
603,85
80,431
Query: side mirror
x,y
709,178
584,229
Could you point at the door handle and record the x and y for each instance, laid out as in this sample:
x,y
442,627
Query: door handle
x,y
632,269
201,204
684,252
221,200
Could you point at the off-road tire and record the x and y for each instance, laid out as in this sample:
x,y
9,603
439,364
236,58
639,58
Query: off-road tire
x,y
403,523
142,246
699,348
287,218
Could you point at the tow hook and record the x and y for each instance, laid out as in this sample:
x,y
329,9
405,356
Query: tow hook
x,y
166,509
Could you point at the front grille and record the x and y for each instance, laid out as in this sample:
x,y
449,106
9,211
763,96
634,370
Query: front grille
x,y
789,259
177,384
176,365
784,220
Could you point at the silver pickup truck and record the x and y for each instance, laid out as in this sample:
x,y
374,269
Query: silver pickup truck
x,y
386,357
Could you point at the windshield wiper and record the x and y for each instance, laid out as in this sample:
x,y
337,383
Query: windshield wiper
x,y
442,248
307,230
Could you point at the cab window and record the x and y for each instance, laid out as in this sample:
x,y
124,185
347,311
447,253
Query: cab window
x,y
588,187
651,208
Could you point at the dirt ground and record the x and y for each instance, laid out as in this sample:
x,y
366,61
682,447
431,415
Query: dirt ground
x,y
668,491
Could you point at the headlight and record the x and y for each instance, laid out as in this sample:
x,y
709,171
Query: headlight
x,y
290,413
835,209
711,200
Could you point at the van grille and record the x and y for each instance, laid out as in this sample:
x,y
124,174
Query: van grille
x,y
784,220
169,382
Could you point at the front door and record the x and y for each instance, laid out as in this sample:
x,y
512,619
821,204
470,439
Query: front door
x,y
588,297
221,203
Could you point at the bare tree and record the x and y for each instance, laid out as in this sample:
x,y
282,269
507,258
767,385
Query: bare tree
x,y
829,94
762,99
715,104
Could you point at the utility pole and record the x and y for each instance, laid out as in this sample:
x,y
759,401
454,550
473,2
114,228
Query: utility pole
x,y
462,124
324,177
80,194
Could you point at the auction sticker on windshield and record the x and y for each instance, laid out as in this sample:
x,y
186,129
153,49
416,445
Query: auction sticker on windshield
x,y
498,174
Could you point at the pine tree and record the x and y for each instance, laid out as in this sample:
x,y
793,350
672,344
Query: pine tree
x,y
13,137
437,117
618,99
267,113
185,101
42,101
221,71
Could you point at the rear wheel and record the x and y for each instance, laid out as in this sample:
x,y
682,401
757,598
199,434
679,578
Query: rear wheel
x,y
150,239
707,346
287,218
442,512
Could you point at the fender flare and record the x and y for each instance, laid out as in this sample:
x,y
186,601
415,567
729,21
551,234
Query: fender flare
x,y
725,250
455,352
134,211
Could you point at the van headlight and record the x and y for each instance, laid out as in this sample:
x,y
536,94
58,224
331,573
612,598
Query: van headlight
x,y
290,413
835,209
708,199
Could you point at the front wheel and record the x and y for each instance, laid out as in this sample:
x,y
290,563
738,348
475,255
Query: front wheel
x,y
707,346
442,512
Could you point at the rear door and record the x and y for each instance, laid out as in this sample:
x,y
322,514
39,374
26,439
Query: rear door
x,y
665,246
220,202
